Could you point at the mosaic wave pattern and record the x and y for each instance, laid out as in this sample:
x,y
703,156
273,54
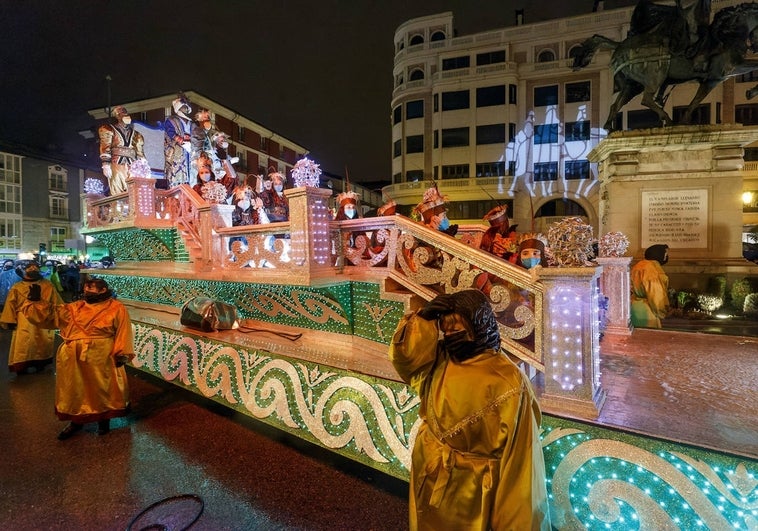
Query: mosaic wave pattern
x,y
353,308
598,478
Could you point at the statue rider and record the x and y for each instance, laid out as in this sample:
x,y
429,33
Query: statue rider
x,y
685,27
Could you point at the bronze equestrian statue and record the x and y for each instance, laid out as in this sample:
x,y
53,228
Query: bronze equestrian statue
x,y
669,45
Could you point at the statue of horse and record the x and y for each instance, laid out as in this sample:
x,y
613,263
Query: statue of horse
x,y
647,63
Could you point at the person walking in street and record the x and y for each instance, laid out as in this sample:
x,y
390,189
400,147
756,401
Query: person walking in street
x,y
31,346
91,383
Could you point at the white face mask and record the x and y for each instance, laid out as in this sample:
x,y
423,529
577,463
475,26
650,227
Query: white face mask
x,y
267,185
244,204
205,176
126,120
349,212
279,188
224,145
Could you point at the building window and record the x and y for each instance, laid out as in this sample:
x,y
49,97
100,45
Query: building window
x,y
436,102
414,144
10,169
241,133
452,101
577,131
437,36
544,96
511,132
399,80
511,168
10,234
576,92
546,56
490,134
577,169
10,199
436,138
546,134
416,74
57,178
58,237
414,176
489,58
58,206
750,77
397,148
490,169
513,94
397,115
455,137
455,171
488,96
396,178
701,116
642,119
574,51
414,109
746,114
416,39
545,171
454,63
264,144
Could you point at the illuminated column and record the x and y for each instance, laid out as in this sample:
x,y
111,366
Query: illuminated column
x,y
142,200
309,228
614,284
571,342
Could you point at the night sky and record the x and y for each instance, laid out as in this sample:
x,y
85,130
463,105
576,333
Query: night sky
x,y
319,73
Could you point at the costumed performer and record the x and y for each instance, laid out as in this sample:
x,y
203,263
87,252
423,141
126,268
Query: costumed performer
x,y
120,146
91,383
649,284
177,132
477,461
31,346
434,212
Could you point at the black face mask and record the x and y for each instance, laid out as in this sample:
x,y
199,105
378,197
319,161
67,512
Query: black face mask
x,y
33,275
91,298
459,346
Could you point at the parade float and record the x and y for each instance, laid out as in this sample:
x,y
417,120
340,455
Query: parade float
x,y
318,301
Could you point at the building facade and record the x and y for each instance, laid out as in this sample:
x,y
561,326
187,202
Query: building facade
x,y
39,207
500,117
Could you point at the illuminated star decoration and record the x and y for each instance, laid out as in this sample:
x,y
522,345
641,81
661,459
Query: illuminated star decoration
x,y
94,186
612,244
306,173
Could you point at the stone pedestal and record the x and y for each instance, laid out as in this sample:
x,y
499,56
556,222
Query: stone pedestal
x,y
614,284
679,185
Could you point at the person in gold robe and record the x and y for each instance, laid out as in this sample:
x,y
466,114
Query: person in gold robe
x,y
650,284
477,461
31,346
91,383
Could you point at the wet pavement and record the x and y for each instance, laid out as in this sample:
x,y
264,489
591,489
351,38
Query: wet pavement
x,y
245,475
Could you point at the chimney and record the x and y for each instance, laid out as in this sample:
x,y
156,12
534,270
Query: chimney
x,y
598,5
519,17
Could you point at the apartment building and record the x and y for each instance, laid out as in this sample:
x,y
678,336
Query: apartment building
x,y
500,117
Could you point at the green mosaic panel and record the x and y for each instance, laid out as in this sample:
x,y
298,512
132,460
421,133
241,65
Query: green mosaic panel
x,y
134,245
357,416
373,318
332,308
602,479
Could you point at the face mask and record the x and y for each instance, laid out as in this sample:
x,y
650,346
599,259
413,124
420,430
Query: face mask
x,y
91,298
127,120
244,204
530,262
205,176
267,185
459,345
207,126
443,224
350,213
278,188
224,145
33,275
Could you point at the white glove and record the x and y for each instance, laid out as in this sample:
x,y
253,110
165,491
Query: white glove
x,y
107,171
186,146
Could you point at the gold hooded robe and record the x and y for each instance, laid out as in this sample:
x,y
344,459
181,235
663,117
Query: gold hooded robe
x,y
477,461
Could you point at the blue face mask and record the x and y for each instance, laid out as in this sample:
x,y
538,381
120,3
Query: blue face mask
x,y
530,262
444,224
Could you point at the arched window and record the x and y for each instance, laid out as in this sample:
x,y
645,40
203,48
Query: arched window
x,y
438,36
416,39
561,207
416,75
546,56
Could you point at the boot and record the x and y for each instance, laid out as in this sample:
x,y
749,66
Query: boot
x,y
69,430
103,426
